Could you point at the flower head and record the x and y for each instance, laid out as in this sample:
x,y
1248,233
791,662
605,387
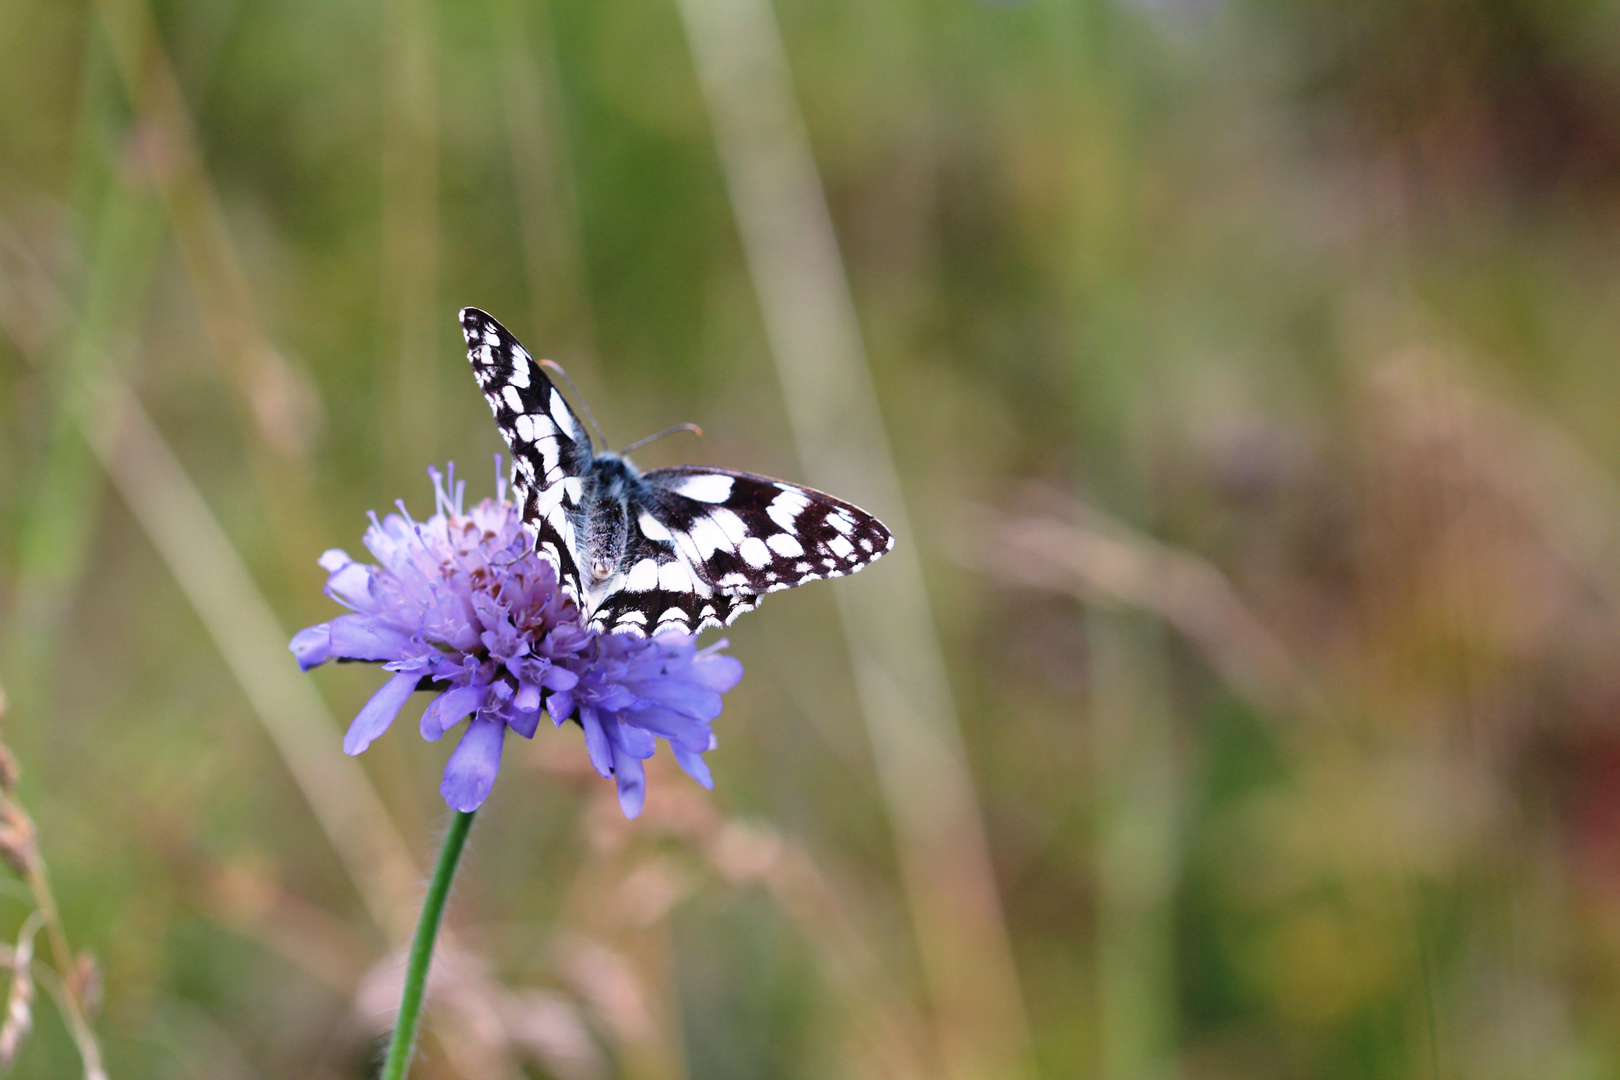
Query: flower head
x,y
461,605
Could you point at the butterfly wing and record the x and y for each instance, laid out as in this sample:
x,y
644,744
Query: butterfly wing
x,y
657,591
707,544
551,451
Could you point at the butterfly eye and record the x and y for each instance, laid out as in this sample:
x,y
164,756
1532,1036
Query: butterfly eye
x,y
600,570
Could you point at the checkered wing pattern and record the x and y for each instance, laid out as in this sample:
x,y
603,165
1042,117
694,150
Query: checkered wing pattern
x,y
551,451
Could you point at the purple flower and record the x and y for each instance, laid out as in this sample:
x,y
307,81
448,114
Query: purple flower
x,y
461,605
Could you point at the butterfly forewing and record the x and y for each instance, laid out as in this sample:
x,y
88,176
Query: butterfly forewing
x,y
551,450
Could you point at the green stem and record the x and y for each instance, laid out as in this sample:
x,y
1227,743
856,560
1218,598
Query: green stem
x,y
410,1003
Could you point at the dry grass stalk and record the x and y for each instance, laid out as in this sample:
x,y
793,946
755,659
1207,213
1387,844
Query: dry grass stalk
x,y
636,880
277,399
20,848
19,1016
1071,547
816,345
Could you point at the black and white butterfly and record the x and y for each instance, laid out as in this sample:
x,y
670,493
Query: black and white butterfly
x,y
673,549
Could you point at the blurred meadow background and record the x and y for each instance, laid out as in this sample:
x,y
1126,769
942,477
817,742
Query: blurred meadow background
x,y
1241,702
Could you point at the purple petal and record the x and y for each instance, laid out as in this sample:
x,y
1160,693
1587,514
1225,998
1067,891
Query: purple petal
x,y
333,559
690,698
678,729
637,742
379,712
561,706
470,772
559,678
693,765
596,742
361,637
632,782
447,710
614,698
312,646
670,638
528,698
565,640
523,721
350,585
718,673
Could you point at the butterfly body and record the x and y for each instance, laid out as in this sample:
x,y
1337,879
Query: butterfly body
x,y
613,485
667,550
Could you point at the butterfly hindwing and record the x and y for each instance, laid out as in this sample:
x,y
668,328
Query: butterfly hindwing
x,y
551,451
657,591
751,534
708,543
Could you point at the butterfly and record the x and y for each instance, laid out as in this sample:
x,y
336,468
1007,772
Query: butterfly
x,y
666,550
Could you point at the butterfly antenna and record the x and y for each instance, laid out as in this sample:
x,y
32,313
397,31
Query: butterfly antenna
x,y
578,397
638,444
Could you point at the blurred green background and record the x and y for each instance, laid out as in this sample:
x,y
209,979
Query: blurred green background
x,y
1249,369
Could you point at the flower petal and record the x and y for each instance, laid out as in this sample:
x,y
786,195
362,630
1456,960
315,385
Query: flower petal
x,y
470,772
312,646
693,765
718,673
379,712
528,698
632,781
447,710
350,585
614,697
690,698
523,721
635,741
361,637
678,729
559,678
596,742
